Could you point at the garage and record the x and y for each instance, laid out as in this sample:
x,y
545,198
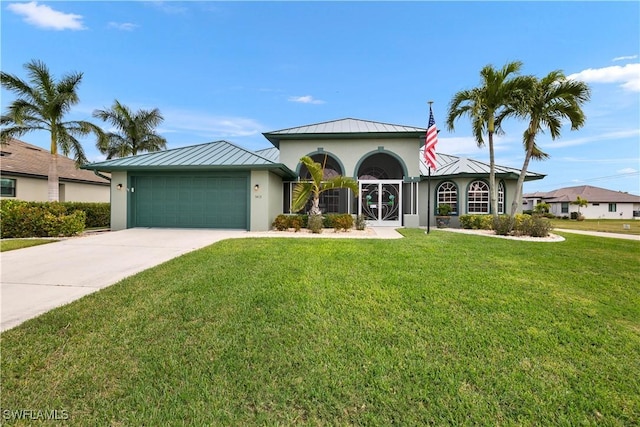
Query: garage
x,y
194,200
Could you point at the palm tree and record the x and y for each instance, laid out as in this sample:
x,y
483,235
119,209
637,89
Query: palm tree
x,y
41,104
135,131
550,101
318,185
499,90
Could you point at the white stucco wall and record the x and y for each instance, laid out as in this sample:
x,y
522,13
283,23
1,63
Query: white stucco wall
x,y
351,151
266,202
598,210
119,200
35,190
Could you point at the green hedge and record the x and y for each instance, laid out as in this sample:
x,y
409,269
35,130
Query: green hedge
x,y
297,221
50,219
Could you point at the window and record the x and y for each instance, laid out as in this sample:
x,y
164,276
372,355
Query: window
x,y
501,197
447,193
612,207
478,198
8,187
564,207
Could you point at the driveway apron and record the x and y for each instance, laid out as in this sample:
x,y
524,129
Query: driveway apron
x,y
34,280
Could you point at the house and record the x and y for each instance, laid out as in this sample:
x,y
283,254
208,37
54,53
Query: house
x,y
602,203
24,170
222,185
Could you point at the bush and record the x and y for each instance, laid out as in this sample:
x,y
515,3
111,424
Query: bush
x,y
503,225
98,214
315,223
476,222
574,215
31,219
361,223
284,222
343,222
281,223
534,226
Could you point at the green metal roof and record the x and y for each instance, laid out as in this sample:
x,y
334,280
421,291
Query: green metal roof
x,y
218,155
450,166
344,128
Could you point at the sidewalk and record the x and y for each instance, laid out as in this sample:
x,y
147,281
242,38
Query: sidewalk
x,y
600,234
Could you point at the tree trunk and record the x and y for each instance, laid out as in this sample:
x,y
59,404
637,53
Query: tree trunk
x,y
493,191
315,206
53,181
517,197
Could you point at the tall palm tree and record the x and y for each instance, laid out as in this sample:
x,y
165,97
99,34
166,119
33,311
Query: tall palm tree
x,y
41,104
135,131
550,101
499,89
318,185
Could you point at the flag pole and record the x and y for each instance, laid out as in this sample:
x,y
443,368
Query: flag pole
x,y
428,185
428,202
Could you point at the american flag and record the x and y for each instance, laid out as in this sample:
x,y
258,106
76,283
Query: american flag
x,y
430,142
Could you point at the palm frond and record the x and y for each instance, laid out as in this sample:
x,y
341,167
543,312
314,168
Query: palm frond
x,y
300,195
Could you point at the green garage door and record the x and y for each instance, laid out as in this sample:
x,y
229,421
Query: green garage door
x,y
189,201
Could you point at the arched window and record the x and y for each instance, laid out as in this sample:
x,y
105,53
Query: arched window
x,y
447,193
501,197
478,198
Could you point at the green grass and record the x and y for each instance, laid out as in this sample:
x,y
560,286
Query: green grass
x,y
13,244
440,329
604,225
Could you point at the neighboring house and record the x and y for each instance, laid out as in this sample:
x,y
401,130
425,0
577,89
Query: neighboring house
x,y
24,170
602,203
222,185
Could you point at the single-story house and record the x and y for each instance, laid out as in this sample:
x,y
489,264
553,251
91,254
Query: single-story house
x,y
222,185
602,203
24,171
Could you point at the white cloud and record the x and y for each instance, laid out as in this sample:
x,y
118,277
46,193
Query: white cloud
x,y
627,171
307,99
168,7
44,17
625,58
593,138
628,75
207,125
123,26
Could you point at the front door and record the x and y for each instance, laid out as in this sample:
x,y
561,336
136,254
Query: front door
x,y
380,202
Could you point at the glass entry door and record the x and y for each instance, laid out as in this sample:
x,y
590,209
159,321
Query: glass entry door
x,y
380,202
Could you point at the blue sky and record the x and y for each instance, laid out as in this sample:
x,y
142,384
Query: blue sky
x,y
232,70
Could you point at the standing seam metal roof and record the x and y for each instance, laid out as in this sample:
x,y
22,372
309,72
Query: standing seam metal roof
x,y
218,153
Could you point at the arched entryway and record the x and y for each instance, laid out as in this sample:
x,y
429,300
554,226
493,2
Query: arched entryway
x,y
380,177
331,201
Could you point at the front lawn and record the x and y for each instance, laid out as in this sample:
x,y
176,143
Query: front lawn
x,y
13,244
603,225
438,329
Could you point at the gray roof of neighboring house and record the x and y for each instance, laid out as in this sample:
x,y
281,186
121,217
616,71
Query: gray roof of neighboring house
x,y
448,165
345,128
218,155
591,194
21,159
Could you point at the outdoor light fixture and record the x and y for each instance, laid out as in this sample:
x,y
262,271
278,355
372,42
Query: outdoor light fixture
x,y
256,187
119,186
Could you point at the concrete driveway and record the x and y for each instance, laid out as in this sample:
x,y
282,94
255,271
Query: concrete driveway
x,y
34,280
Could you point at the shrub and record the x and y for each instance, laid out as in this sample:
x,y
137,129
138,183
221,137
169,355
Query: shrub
x,y
98,214
64,225
503,225
361,223
31,219
476,222
295,222
540,227
315,223
343,222
281,223
574,215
